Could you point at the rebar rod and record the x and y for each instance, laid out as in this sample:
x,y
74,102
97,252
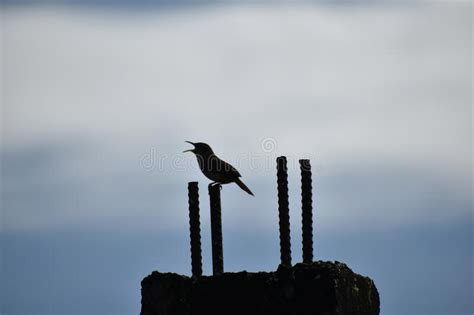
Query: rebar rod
x,y
216,229
306,210
283,211
195,229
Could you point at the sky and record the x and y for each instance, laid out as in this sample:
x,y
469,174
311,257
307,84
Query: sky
x,y
98,99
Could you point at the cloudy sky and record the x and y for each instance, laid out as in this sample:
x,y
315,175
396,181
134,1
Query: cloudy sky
x,y
98,100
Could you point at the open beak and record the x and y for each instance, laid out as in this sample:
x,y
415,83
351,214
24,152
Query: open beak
x,y
190,150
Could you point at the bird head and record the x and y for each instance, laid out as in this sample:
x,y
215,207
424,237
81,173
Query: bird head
x,y
200,148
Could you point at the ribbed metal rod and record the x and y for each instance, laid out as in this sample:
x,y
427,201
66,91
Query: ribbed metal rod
x,y
216,230
283,211
195,229
307,210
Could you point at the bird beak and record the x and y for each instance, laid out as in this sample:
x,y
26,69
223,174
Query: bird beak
x,y
191,150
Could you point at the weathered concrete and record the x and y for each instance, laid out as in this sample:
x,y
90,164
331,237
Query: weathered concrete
x,y
324,288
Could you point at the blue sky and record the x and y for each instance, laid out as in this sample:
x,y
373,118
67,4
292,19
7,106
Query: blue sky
x,y
97,104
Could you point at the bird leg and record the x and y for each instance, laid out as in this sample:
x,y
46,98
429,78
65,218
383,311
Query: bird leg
x,y
214,183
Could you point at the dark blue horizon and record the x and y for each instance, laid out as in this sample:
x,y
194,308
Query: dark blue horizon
x,y
91,271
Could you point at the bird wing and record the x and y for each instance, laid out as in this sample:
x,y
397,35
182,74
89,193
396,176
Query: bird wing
x,y
224,168
233,170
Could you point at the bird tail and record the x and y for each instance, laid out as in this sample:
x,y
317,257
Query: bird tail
x,y
242,185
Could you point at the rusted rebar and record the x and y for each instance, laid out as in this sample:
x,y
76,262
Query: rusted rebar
x,y
283,211
195,229
216,229
307,210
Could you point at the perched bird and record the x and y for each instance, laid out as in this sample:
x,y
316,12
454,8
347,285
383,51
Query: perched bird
x,y
215,169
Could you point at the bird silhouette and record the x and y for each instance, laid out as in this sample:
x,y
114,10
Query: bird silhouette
x,y
217,170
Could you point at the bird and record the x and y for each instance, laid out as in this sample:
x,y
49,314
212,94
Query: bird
x,y
217,170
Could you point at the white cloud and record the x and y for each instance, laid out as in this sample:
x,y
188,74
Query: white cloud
x,y
372,84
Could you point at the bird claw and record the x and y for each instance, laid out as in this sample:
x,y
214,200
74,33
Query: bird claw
x,y
213,184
